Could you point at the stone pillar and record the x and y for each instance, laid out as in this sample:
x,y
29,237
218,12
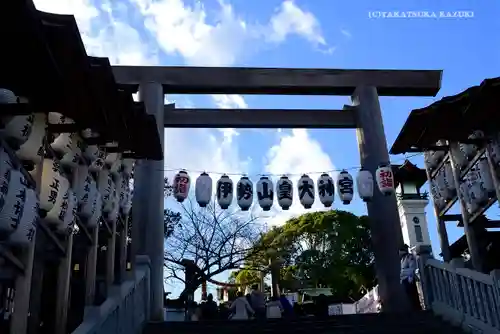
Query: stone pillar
x,y
262,277
382,210
147,204
424,253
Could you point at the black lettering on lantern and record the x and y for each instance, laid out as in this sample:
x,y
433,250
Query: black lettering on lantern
x,y
266,192
306,188
244,191
285,191
326,187
224,189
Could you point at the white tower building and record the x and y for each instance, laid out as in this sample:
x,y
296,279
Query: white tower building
x,y
411,204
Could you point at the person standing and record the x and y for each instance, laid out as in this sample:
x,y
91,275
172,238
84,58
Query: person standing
x,y
274,308
209,308
408,277
258,302
240,308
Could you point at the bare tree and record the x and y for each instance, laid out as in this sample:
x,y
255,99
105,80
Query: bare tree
x,y
210,242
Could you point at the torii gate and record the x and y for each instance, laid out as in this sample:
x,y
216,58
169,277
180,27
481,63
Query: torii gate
x,y
364,87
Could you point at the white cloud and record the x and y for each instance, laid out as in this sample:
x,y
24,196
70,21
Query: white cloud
x,y
294,154
290,19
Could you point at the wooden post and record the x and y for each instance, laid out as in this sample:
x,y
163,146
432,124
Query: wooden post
x,y
121,247
90,268
441,224
63,287
110,256
24,283
472,242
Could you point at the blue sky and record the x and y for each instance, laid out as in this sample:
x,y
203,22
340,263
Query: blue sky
x,y
300,33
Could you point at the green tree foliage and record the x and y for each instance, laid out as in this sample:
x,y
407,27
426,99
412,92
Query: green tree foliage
x,y
321,249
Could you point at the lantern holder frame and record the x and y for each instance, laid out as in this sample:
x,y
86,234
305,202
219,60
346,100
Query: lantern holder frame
x,y
83,228
11,258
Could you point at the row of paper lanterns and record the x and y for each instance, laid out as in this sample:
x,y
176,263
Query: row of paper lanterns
x,y
266,192
28,131
89,198
465,153
475,189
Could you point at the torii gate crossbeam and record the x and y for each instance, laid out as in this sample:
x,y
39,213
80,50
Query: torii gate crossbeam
x,y
364,87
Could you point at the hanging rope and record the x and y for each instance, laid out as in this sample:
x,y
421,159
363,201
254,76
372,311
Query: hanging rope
x,y
171,169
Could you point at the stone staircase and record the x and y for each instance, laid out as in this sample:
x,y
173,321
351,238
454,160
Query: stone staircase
x,y
375,323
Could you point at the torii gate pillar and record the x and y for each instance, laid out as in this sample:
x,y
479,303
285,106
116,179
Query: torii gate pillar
x,y
147,206
382,210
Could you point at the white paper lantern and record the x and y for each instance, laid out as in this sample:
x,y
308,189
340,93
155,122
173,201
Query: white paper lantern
x,y
96,211
86,206
326,190
18,128
477,193
32,149
62,144
68,213
108,199
306,191
345,187
113,213
124,188
7,96
224,191
5,162
428,159
203,189
58,118
465,196
244,193
284,191
436,195
438,155
56,215
26,230
91,152
265,193
98,163
116,166
83,184
181,186
105,186
385,179
364,183
128,204
13,205
449,179
128,166
494,150
52,184
441,183
111,158
460,158
72,158
483,168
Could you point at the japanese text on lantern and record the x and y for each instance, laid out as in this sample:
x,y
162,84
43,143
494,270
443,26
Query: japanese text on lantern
x,y
182,184
386,179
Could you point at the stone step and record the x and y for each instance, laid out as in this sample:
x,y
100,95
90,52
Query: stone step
x,y
382,323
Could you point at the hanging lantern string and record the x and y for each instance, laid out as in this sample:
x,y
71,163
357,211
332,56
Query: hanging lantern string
x,y
288,174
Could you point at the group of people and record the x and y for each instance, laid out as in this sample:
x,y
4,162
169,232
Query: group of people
x,y
251,306
254,305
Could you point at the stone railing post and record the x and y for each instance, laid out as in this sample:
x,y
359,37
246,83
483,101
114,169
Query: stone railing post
x,y
424,253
